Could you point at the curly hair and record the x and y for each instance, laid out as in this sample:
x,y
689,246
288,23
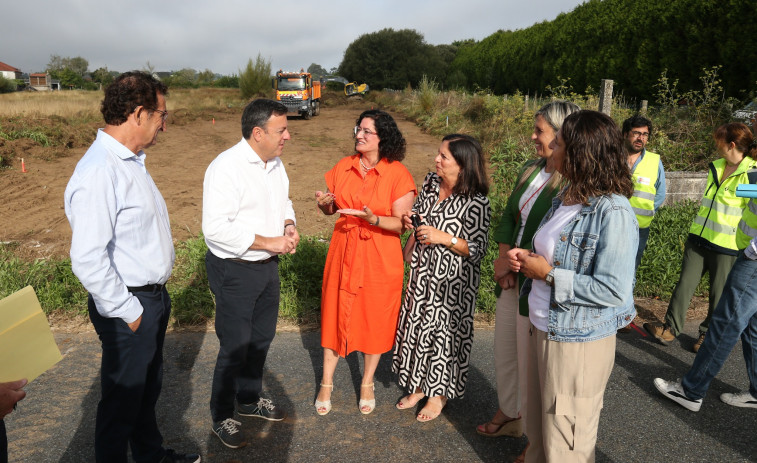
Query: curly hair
x,y
472,179
129,91
391,142
595,161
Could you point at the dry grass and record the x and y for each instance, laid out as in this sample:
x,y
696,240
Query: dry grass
x,y
85,104
69,104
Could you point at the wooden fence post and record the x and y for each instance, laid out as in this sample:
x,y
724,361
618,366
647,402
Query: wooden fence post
x,y
605,96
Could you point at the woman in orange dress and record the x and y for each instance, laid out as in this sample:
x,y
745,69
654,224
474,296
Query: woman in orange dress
x,y
362,279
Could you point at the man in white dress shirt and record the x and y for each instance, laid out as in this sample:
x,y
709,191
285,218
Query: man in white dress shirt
x,y
248,221
122,252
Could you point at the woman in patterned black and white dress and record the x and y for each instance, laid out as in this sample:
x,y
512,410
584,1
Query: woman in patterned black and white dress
x,y
435,331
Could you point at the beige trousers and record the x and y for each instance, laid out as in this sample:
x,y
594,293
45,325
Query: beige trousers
x,y
567,381
510,355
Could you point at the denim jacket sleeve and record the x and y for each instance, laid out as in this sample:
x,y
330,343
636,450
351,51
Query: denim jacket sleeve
x,y
598,270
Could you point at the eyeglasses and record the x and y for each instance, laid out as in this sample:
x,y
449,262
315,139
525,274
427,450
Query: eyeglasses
x,y
366,132
163,114
637,134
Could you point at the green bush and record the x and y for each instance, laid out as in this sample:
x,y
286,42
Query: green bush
x,y
255,78
7,85
661,265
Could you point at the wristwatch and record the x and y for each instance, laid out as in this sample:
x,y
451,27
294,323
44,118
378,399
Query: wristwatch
x,y
550,278
452,242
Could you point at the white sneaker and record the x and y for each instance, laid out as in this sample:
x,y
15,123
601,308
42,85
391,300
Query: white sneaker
x,y
674,391
739,399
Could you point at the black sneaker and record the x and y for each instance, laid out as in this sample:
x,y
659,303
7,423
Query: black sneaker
x,y
263,409
228,431
173,457
674,391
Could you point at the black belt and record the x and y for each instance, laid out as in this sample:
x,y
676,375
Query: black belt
x,y
146,288
264,261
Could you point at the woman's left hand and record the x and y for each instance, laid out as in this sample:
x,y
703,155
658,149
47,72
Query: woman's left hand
x,y
366,213
532,265
426,234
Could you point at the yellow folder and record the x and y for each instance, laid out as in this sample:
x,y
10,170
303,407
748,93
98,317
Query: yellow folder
x,y
27,347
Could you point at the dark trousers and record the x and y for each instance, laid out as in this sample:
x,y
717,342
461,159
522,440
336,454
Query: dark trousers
x,y
3,443
247,308
643,238
131,376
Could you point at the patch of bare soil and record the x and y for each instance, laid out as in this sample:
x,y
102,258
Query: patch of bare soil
x,y
32,217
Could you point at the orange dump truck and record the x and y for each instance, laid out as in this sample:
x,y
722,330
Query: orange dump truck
x,y
299,92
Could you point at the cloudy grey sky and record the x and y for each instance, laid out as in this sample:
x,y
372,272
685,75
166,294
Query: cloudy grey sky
x,y
221,35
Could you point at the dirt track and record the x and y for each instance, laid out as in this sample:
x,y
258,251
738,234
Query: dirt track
x,y
32,211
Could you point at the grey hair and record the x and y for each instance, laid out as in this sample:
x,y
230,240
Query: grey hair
x,y
556,111
553,113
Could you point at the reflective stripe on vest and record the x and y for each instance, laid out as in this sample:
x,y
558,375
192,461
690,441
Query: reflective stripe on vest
x,y
644,179
747,226
717,220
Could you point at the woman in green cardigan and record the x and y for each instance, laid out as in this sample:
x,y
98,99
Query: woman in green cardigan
x,y
537,184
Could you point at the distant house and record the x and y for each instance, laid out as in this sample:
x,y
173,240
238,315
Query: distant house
x,y
41,81
9,72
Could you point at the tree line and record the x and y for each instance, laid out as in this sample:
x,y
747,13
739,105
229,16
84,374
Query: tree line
x,y
629,41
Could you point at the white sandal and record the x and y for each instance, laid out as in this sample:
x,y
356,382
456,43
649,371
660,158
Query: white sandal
x,y
323,408
369,404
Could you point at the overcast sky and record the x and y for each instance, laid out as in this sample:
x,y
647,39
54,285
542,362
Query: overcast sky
x,y
221,35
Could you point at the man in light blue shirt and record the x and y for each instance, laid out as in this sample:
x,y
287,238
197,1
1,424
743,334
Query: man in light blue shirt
x,y
122,252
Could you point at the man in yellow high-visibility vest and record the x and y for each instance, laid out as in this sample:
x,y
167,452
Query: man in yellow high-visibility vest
x,y
648,176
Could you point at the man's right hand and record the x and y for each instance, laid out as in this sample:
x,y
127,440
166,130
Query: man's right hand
x,y
282,244
133,326
10,393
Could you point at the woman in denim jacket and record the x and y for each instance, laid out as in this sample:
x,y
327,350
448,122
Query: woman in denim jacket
x,y
579,289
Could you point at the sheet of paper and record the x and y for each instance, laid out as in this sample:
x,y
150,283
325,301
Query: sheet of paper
x,y
27,346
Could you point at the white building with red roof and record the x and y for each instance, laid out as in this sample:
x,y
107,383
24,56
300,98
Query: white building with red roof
x,y
9,72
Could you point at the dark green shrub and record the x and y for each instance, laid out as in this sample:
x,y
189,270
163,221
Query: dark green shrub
x,y
661,265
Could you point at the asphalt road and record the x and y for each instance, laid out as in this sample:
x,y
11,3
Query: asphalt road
x,y
55,423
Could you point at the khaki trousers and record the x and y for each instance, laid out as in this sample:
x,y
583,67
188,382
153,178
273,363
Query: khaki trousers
x,y
510,354
567,382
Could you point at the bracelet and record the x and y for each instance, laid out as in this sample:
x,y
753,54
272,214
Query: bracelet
x,y
377,221
288,225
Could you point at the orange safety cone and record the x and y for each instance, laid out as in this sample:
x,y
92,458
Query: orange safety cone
x,y
23,166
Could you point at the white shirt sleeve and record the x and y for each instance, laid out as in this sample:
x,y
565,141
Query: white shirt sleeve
x,y
220,208
91,210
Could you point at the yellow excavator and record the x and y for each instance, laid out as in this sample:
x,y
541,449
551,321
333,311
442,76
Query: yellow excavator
x,y
352,88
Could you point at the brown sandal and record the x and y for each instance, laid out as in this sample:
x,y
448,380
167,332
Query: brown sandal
x,y
510,428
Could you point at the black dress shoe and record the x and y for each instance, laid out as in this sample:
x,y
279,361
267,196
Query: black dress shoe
x,y
173,457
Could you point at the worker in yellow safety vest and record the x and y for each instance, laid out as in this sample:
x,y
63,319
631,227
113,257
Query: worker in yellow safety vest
x,y
712,243
648,176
